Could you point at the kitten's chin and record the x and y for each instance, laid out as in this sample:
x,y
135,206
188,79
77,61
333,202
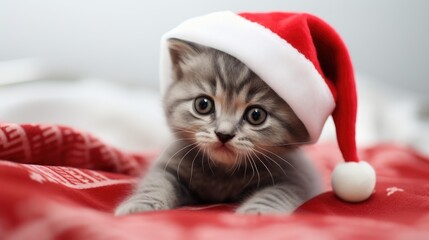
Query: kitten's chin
x,y
223,154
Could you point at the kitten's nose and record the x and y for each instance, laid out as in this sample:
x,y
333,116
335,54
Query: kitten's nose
x,y
224,137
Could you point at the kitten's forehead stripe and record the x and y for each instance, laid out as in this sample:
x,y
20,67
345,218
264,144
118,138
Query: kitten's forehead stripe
x,y
234,78
221,72
262,96
257,93
251,93
246,80
201,85
213,85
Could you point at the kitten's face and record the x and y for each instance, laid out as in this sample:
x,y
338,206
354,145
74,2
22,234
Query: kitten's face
x,y
221,107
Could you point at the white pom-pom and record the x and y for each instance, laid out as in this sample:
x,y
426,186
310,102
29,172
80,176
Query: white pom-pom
x,y
353,181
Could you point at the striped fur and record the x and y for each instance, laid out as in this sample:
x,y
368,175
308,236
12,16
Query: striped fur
x,y
261,166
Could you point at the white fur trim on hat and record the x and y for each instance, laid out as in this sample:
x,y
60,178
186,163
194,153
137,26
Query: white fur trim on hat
x,y
278,63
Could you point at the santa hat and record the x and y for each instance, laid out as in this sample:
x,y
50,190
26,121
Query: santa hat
x,y
304,60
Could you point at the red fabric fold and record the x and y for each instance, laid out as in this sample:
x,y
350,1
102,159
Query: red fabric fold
x,y
64,146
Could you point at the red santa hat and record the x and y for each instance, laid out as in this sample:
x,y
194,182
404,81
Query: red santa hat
x,y
305,61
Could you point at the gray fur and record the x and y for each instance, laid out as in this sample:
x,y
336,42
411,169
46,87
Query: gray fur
x,y
266,171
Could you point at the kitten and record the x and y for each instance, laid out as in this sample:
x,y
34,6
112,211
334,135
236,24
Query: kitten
x,y
236,141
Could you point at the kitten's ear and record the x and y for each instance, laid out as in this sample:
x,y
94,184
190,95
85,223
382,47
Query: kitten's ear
x,y
179,51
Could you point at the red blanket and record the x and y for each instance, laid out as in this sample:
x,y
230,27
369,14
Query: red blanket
x,y
59,183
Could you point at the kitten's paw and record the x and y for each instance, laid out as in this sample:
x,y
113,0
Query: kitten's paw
x,y
130,207
252,211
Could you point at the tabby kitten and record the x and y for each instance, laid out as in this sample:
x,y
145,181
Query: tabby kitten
x,y
236,141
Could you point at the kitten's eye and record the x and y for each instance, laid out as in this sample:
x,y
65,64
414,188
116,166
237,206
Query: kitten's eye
x,y
255,115
204,105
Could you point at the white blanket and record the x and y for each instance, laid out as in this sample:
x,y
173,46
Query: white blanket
x,y
131,117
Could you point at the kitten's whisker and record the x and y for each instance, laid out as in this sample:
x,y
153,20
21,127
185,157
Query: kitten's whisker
x,y
175,133
182,130
168,161
192,165
252,161
269,172
251,165
245,167
272,160
238,159
195,145
168,146
290,144
208,160
190,133
284,160
202,160
257,172
235,166
230,170
175,140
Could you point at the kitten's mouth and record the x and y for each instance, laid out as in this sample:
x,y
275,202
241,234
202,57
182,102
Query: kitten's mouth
x,y
224,153
223,148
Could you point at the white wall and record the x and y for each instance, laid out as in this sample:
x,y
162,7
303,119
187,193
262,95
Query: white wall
x,y
119,39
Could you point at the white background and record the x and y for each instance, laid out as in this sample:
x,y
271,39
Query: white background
x,y
119,39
